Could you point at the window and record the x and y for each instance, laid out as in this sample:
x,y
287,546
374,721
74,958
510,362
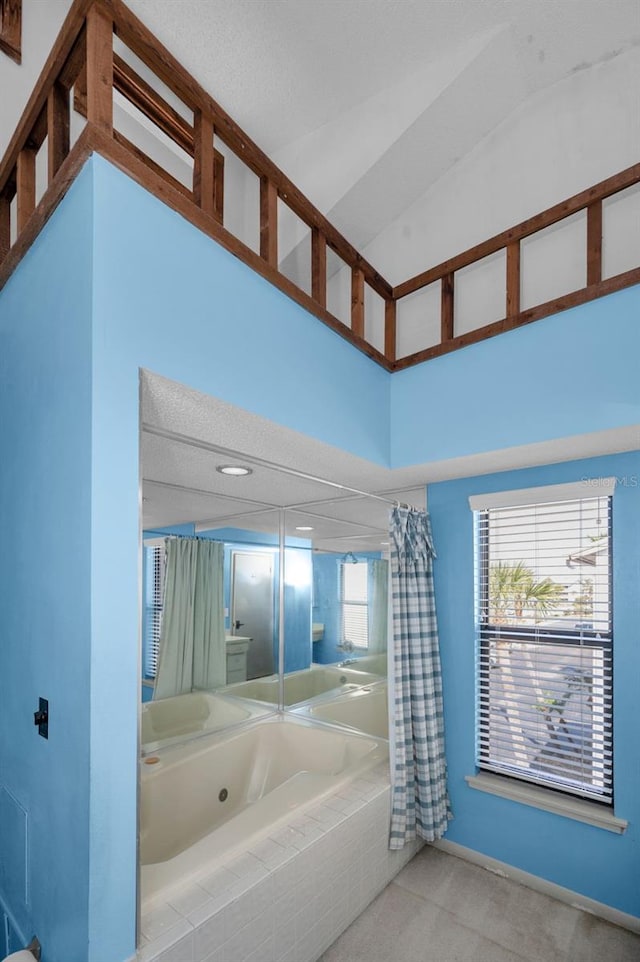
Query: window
x,y
354,604
11,28
153,595
544,615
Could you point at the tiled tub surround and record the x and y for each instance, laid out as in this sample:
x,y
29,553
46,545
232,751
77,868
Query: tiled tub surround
x,y
286,870
292,892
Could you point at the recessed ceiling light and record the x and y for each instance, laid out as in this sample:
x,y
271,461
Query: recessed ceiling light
x,y
235,470
384,542
304,527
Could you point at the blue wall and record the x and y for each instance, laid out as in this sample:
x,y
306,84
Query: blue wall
x,y
168,299
580,367
592,861
45,564
326,609
185,308
117,282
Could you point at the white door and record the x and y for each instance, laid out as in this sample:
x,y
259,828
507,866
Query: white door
x,y
252,607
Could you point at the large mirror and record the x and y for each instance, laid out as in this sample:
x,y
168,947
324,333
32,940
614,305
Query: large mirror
x,y
346,548
264,586
209,616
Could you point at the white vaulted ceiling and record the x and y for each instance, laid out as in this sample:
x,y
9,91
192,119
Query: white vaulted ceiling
x,y
284,68
364,103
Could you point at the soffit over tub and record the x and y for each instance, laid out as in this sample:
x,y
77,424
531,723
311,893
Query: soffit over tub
x,y
187,434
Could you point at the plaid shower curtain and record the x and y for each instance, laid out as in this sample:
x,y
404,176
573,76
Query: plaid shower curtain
x,y
420,804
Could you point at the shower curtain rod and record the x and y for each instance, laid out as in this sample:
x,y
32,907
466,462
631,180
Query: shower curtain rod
x,y
302,475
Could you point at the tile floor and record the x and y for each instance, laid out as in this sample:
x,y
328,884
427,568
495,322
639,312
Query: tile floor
x,y
443,909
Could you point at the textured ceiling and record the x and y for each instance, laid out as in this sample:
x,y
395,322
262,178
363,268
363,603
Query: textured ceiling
x,y
187,435
283,68
366,103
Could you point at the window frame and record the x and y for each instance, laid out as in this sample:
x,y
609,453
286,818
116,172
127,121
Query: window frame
x,y
11,29
343,600
153,605
487,631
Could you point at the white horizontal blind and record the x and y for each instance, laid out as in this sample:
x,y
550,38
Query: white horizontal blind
x,y
154,590
545,644
354,603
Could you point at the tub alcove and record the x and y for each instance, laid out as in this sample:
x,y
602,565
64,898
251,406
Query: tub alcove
x,y
264,796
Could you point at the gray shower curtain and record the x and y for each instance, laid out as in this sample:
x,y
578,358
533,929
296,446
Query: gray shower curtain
x,y
378,607
192,652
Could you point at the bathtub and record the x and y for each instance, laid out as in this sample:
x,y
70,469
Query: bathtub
x,y
169,720
206,800
302,685
365,709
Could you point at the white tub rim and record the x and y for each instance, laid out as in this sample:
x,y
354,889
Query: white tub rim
x,y
353,684
331,696
306,709
288,716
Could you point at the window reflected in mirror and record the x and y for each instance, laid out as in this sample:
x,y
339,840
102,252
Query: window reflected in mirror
x,y
345,681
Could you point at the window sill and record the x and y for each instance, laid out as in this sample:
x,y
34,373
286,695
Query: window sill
x,y
577,808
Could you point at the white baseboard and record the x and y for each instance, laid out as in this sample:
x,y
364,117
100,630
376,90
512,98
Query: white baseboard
x,y
574,899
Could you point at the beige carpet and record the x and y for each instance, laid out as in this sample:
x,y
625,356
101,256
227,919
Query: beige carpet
x,y
443,909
